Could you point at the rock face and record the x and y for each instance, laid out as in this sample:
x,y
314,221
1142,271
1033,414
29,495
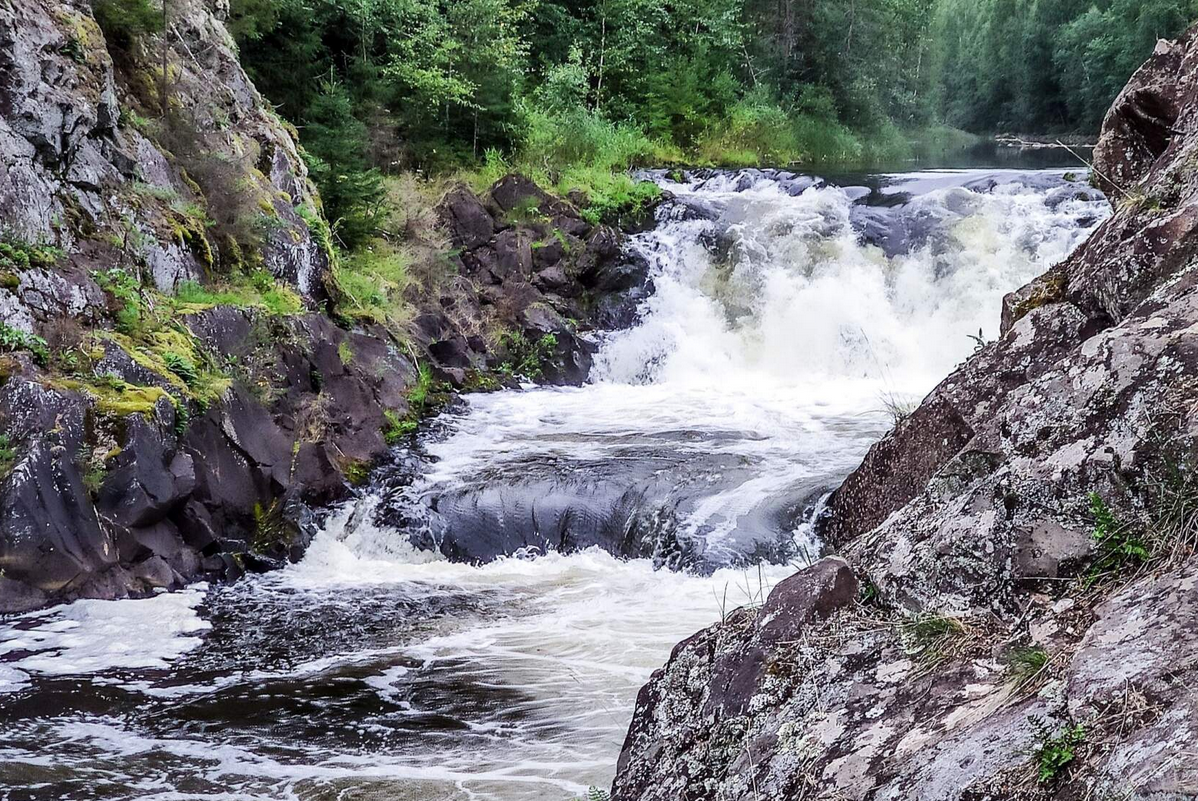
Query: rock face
x,y
972,528
537,265
88,156
101,504
145,440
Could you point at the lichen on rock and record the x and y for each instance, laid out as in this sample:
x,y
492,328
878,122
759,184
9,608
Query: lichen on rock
x,y
1041,497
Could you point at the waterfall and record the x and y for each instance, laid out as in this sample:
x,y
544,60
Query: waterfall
x,y
591,528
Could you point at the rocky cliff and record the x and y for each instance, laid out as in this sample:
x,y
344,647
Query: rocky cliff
x,y
1012,612
179,383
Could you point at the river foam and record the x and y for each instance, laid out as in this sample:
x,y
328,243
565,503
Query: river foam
x,y
787,316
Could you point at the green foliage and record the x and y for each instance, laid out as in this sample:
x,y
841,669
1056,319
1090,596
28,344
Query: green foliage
x,y
16,255
181,366
335,148
576,92
423,397
14,339
371,284
1119,544
421,394
126,292
599,85
356,473
397,428
526,358
258,290
1053,753
125,21
595,794
272,528
8,455
345,353
1025,65
94,472
1026,662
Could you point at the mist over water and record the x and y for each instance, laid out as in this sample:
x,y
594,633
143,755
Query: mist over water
x,y
786,315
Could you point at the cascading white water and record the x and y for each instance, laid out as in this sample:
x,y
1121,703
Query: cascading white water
x,y
759,371
797,298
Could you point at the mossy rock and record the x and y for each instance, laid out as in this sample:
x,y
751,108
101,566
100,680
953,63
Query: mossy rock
x,y
115,398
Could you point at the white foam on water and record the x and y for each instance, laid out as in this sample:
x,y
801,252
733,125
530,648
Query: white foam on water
x,y
90,636
797,296
582,634
781,351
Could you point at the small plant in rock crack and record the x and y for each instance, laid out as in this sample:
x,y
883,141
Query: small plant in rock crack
x,y
1174,511
933,638
979,340
595,794
1119,544
526,358
14,339
8,455
1026,662
1053,752
898,407
869,595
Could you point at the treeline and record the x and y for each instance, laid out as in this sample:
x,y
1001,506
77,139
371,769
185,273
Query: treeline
x,y
576,91
1044,65
444,80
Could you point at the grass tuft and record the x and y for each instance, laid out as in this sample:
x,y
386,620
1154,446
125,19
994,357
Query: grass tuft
x,y
1026,663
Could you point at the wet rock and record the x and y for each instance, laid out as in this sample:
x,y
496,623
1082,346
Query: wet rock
x,y
811,594
628,507
978,506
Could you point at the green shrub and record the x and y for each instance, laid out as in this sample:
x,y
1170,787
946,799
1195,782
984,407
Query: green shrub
x,y
397,428
371,283
8,455
125,21
526,359
335,150
14,339
181,366
16,255
577,136
1053,753
126,291
357,473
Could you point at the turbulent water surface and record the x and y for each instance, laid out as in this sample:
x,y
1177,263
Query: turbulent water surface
x,y
789,319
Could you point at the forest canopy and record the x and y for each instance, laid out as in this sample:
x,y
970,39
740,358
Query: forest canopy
x,y
597,86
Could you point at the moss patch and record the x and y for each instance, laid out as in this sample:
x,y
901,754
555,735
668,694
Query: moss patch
x,y
113,396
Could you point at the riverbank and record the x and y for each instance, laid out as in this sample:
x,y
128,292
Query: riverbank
x,y
1012,611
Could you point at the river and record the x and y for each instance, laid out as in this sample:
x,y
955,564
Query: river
x,y
790,320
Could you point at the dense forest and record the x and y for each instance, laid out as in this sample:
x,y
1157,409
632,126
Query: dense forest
x,y
576,91
1043,65
597,84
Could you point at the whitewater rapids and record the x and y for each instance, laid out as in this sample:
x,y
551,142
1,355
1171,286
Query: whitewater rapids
x,y
789,320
